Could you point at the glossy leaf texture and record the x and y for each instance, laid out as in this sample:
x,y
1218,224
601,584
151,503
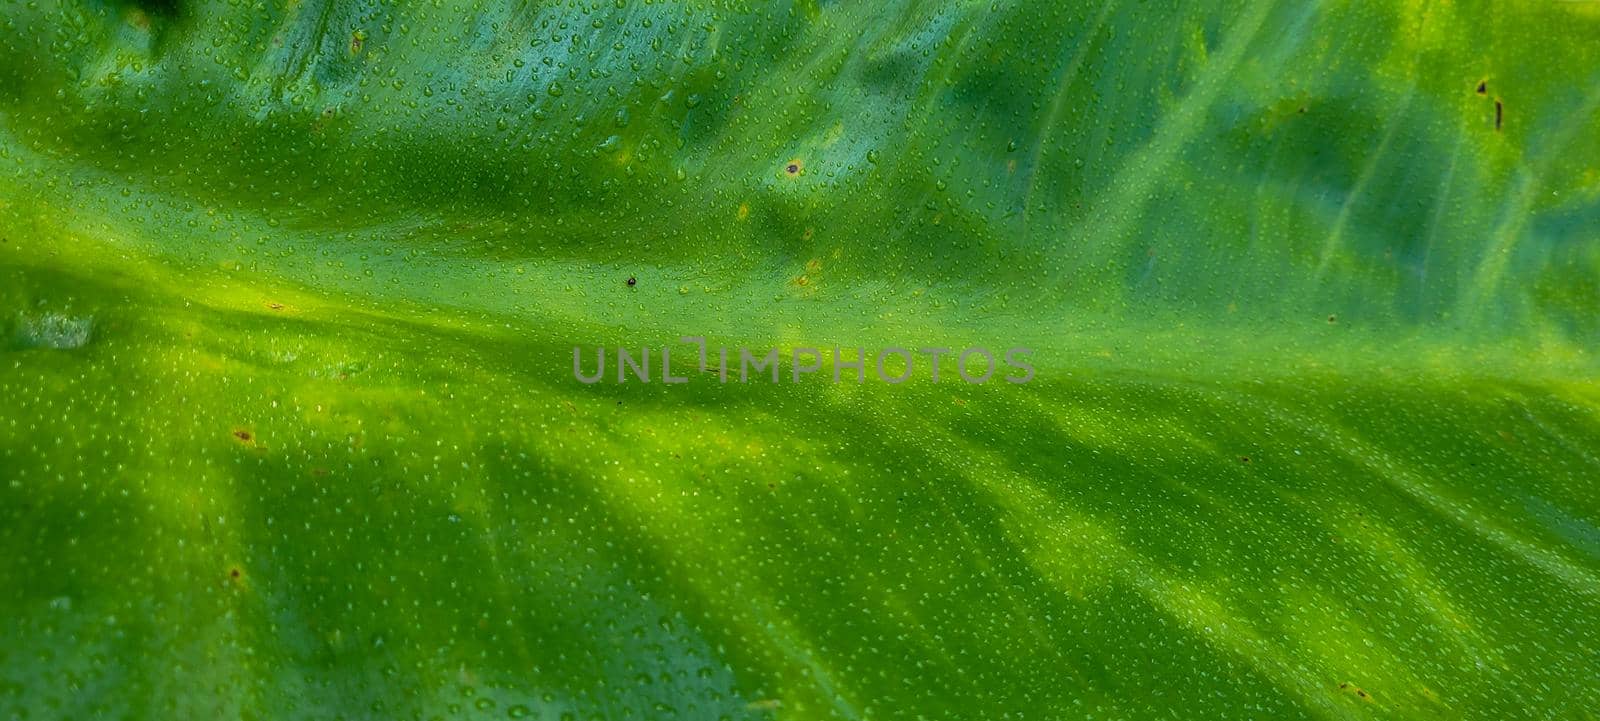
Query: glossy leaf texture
x,y
289,291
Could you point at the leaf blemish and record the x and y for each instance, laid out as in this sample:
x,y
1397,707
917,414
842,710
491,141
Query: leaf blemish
x,y
1499,115
1357,690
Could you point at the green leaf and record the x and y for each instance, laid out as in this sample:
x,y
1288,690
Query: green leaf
x,y
289,293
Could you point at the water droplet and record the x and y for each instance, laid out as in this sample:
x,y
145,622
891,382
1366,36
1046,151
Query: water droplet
x,y
54,330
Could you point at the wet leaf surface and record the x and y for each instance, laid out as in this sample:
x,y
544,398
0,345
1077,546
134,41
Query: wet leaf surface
x,y
289,291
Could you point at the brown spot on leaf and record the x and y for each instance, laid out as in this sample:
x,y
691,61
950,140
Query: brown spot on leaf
x,y
1483,87
1355,690
243,435
1499,115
